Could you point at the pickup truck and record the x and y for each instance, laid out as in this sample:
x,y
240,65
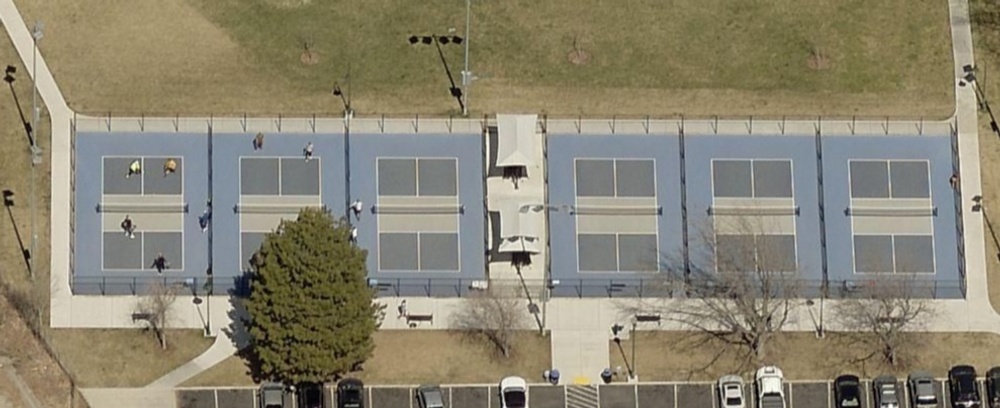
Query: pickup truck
x,y
770,388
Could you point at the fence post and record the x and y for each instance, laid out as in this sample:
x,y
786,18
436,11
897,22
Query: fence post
x,y
279,123
579,124
716,127
614,119
109,121
750,125
647,124
886,127
416,123
142,122
920,126
854,123
451,117
312,123
381,124
782,124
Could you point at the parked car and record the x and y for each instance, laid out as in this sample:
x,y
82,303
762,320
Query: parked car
x,y
922,393
311,395
847,391
350,393
513,393
770,387
962,384
429,396
731,392
993,387
272,395
886,392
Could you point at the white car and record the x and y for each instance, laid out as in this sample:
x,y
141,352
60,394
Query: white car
x,y
731,392
770,388
513,393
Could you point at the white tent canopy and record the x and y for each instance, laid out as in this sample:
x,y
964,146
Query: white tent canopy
x,y
519,228
517,141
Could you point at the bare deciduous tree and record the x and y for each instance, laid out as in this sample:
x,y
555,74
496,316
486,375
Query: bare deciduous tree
x,y
880,317
740,282
496,315
156,310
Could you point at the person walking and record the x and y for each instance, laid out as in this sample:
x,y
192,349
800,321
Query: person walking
x,y
169,167
134,168
129,227
308,151
356,207
160,263
354,235
954,180
204,219
258,142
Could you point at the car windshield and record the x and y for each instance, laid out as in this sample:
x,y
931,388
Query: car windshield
x,y
514,399
734,401
849,391
352,396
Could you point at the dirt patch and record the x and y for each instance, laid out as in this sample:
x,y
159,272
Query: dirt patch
x,y
817,60
420,356
287,4
309,57
578,57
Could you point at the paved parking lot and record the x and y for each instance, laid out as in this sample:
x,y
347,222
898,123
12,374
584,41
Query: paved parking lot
x,y
650,395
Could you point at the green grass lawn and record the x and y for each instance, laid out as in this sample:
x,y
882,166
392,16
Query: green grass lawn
x,y
706,57
813,47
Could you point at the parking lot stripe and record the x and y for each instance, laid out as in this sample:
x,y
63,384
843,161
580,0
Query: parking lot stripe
x,y
635,390
791,402
675,397
216,394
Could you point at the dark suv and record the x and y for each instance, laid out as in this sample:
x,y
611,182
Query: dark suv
x,y
962,383
847,390
350,393
993,387
311,395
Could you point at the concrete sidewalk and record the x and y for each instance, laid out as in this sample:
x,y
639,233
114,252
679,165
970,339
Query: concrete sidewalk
x,y
221,349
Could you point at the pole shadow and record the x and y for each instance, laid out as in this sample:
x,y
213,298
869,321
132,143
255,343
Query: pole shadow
x,y
8,202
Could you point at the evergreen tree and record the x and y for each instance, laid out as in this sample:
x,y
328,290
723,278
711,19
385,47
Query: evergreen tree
x,y
311,313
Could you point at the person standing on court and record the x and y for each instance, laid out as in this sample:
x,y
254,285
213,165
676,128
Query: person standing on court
x,y
169,167
258,142
308,151
134,168
356,207
160,263
129,227
354,235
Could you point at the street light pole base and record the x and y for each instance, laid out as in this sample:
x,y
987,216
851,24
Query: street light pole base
x,y
36,155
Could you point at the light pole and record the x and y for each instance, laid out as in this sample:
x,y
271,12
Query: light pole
x,y
36,154
466,75
820,331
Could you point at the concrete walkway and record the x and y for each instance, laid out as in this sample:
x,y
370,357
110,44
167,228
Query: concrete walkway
x,y
221,349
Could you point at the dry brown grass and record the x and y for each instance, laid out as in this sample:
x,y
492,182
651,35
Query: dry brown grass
x,y
670,356
698,58
986,35
125,357
420,356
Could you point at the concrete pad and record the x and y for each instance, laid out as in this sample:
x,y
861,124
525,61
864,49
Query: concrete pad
x,y
618,396
259,176
154,182
397,177
732,178
114,180
811,395
300,177
470,397
437,177
909,179
595,178
655,396
392,398
635,178
869,179
438,252
772,178
235,398
121,252
170,244
694,395
543,396
197,399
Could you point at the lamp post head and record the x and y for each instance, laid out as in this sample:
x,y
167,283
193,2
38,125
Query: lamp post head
x,y
36,31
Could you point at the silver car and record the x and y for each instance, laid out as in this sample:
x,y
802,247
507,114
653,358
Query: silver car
x,y
731,392
429,396
922,393
886,392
